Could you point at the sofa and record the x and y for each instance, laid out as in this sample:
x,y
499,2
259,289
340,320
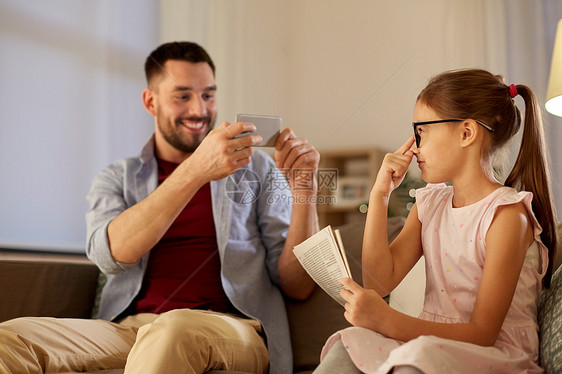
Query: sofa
x,y
55,285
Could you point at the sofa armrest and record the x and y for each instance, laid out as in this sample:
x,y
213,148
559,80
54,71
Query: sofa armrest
x,y
43,285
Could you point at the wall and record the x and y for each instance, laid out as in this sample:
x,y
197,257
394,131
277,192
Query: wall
x,y
342,74
71,74
347,74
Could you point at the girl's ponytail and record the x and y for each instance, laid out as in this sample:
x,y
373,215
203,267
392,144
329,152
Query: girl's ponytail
x,y
531,173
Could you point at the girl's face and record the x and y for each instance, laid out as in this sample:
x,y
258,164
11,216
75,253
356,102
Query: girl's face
x,y
438,155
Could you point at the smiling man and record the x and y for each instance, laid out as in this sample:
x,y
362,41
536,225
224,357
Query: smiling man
x,y
194,279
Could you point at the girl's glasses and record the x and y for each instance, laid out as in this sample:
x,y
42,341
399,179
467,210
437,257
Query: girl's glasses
x,y
416,124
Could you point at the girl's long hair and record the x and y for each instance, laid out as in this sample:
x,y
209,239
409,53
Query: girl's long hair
x,y
480,95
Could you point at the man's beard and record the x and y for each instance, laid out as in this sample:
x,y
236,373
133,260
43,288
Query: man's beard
x,y
173,137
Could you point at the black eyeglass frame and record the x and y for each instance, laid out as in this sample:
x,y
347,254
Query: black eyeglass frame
x,y
416,124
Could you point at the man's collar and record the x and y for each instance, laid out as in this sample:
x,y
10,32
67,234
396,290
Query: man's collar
x,y
147,152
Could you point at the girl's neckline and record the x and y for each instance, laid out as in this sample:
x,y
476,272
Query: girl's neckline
x,y
482,200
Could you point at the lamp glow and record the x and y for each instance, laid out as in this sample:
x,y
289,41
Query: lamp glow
x,y
554,93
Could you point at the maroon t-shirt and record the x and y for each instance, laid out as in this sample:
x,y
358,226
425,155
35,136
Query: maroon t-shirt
x,y
184,266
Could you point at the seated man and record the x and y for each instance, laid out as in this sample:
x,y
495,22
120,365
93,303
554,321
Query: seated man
x,y
193,272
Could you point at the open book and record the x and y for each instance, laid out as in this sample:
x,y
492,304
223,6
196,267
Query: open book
x,y
323,257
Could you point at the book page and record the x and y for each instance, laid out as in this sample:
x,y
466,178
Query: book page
x,y
322,259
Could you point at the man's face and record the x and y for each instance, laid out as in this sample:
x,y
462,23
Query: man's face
x,y
184,103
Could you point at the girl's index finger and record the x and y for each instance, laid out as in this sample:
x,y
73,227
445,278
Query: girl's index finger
x,y
406,146
350,284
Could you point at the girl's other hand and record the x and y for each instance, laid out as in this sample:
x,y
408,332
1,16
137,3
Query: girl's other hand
x,y
393,169
364,307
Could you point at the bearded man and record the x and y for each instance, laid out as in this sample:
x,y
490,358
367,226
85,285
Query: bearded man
x,y
194,276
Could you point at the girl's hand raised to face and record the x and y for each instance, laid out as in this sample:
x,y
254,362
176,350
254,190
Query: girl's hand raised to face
x,y
393,169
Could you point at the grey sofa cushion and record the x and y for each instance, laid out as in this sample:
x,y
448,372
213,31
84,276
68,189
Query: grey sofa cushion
x,y
550,321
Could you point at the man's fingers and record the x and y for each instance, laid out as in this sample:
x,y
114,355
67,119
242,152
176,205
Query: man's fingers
x,y
244,141
292,150
233,129
241,153
285,135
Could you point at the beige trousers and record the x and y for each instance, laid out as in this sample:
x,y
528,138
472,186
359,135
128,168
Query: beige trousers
x,y
179,341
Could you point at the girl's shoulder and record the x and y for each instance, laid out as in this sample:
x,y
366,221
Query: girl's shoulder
x,y
507,196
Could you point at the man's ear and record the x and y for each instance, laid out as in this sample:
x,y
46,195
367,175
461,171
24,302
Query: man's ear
x,y
148,98
469,132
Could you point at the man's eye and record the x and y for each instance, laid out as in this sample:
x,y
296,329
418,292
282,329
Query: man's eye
x,y
183,97
208,96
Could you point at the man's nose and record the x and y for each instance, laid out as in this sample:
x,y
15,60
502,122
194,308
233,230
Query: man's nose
x,y
197,107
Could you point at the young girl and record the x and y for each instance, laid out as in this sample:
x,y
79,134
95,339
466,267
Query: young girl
x,y
487,247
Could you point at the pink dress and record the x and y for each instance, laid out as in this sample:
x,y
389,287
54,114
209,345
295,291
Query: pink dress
x,y
454,250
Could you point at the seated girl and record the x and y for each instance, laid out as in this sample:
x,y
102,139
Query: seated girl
x,y
487,245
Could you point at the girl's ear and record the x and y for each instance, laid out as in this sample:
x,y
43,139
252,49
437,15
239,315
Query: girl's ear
x,y
469,132
148,97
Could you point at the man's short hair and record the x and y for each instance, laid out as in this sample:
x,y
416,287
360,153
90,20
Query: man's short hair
x,y
183,51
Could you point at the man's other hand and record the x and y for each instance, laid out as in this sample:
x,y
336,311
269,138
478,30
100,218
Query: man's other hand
x,y
294,156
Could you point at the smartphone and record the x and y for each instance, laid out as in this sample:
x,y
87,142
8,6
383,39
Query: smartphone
x,y
268,127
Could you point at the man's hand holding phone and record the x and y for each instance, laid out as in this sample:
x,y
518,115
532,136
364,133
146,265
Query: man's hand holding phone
x,y
266,126
221,153
298,159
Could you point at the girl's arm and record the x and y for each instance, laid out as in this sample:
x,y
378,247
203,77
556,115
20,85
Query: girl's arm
x,y
507,241
384,265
